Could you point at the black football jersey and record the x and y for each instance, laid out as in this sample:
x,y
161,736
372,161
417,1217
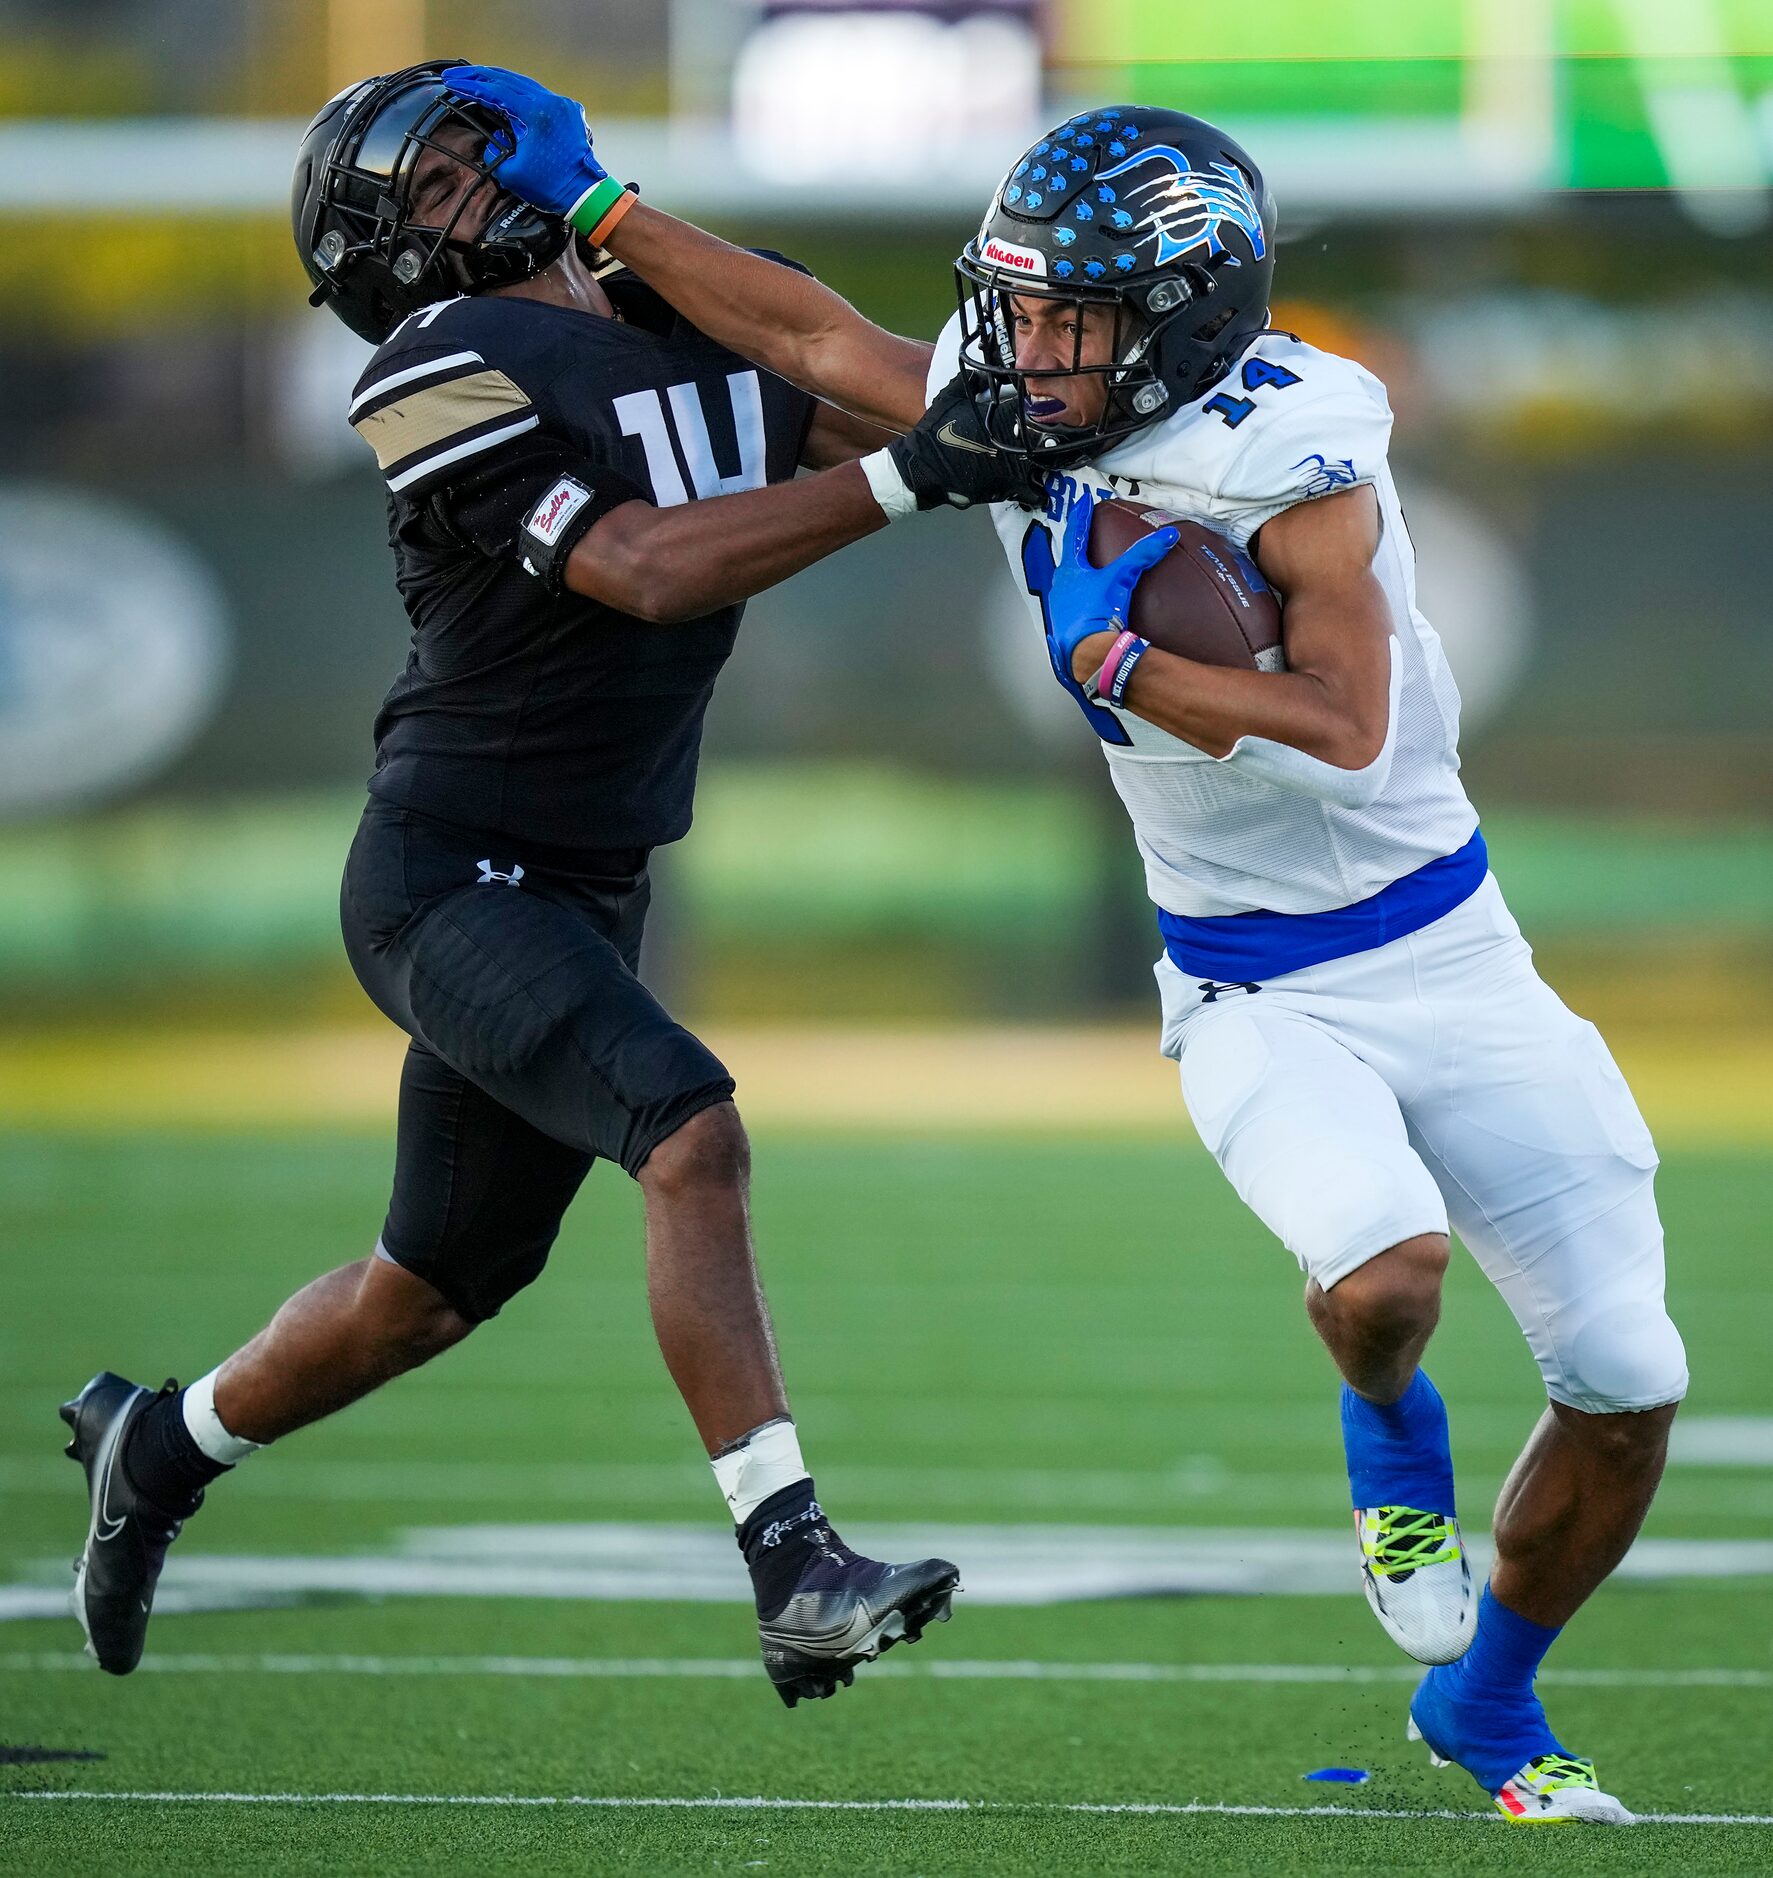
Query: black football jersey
x,y
526,711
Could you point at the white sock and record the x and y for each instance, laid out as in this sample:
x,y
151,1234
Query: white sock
x,y
765,1462
206,1425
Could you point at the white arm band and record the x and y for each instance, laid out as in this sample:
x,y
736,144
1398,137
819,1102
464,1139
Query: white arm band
x,y
1287,768
888,485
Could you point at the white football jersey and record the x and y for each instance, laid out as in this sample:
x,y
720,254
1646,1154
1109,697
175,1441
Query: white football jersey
x,y
1288,423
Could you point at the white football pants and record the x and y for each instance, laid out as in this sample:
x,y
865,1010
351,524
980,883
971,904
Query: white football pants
x,y
1362,1102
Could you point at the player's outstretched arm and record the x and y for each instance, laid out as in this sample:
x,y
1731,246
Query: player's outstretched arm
x,y
582,525
1332,707
680,563
779,317
785,320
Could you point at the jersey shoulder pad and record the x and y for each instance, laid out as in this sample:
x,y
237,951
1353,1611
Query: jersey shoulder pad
x,y
1319,423
447,387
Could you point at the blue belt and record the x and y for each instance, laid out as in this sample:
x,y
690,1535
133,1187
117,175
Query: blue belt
x,y
1248,947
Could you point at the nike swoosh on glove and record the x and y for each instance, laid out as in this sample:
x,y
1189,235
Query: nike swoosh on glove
x,y
548,159
952,456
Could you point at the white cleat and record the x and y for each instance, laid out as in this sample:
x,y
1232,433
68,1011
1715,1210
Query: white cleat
x,y
1551,1790
1418,1580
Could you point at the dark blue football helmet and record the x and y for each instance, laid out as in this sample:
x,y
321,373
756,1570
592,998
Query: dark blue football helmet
x,y
1155,214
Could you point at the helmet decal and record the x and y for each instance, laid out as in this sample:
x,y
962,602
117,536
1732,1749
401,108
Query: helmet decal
x,y
1008,254
1186,207
1161,223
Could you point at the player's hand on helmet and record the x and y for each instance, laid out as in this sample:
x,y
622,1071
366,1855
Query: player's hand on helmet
x,y
1079,600
547,157
952,457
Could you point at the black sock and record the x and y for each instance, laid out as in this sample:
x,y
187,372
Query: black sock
x,y
781,1539
164,1462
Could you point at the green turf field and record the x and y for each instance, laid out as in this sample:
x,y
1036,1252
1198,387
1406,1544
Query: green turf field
x,y
978,1334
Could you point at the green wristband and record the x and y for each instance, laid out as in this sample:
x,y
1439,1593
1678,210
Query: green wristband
x,y
595,204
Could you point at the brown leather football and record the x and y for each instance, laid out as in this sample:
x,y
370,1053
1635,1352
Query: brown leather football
x,y
1205,599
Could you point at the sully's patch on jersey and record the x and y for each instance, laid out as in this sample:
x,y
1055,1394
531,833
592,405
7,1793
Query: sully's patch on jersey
x,y
1320,475
1186,208
551,530
567,510
437,424
546,520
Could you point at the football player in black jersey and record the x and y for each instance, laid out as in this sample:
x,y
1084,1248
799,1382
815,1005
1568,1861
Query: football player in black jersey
x,y
582,492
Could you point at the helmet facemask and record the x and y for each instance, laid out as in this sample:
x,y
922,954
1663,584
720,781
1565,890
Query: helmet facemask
x,y
1135,393
367,202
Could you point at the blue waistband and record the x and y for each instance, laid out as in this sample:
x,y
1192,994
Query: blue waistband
x,y
1238,948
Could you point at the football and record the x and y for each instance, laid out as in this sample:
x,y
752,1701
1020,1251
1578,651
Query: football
x,y
1205,599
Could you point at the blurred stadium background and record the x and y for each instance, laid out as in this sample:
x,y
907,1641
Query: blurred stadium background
x,y
909,902
1542,221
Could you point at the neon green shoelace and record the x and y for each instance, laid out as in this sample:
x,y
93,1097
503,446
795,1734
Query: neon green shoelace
x,y
1553,1772
1409,1540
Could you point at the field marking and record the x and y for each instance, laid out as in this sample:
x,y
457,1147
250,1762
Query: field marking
x,y
1722,1441
938,1669
625,1561
1171,1809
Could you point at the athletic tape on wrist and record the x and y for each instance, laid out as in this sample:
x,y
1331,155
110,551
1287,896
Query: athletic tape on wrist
x,y
890,488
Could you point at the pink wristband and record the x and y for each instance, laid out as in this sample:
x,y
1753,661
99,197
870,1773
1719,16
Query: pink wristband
x,y
1117,669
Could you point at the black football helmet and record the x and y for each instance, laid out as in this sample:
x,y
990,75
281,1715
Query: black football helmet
x,y
351,203
1152,213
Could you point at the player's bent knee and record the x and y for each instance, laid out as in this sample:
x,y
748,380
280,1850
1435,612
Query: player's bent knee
x,y
709,1151
1393,1297
408,1314
438,1326
1621,1360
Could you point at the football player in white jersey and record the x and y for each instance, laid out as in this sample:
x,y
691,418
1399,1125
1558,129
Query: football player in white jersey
x,y
1364,1044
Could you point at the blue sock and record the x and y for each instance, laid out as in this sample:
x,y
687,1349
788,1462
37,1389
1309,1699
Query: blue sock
x,y
1506,1652
1398,1452
1481,1710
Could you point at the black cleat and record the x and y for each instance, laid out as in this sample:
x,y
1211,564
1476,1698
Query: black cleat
x,y
126,1542
844,1610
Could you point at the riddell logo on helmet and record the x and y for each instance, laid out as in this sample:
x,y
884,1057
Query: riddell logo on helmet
x,y
1006,254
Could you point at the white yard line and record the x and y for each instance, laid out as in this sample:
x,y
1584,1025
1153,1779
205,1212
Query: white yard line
x,y
940,1669
761,1803
672,1563
1722,1441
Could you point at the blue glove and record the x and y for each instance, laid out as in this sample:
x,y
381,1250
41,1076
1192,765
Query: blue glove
x,y
547,158
1077,599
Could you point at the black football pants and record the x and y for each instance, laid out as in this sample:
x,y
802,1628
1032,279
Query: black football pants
x,y
535,1048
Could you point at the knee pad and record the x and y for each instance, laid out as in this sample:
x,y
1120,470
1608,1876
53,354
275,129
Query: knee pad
x,y
1622,1358
1597,1322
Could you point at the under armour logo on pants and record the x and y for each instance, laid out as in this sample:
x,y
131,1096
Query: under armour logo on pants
x,y
1213,990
